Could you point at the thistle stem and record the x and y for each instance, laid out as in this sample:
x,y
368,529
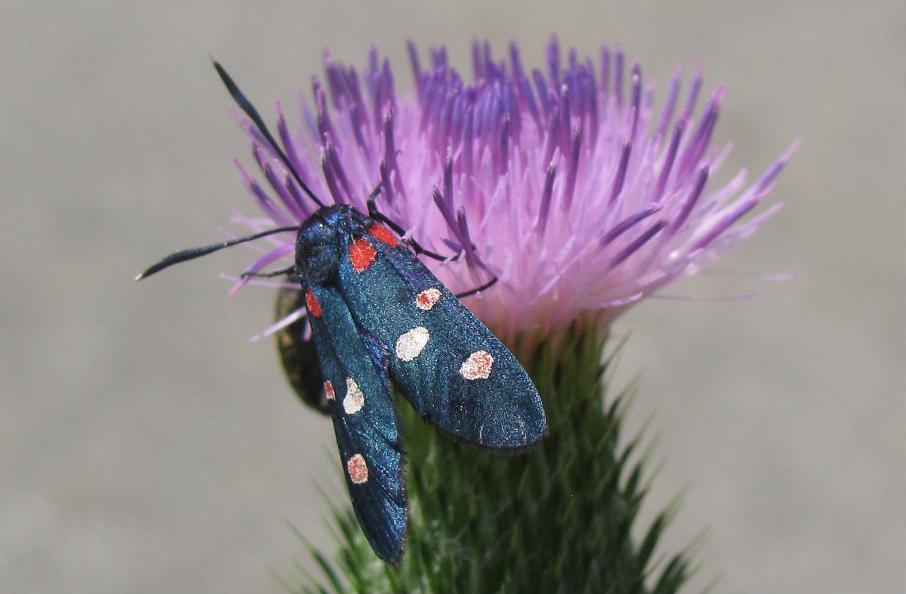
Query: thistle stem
x,y
562,518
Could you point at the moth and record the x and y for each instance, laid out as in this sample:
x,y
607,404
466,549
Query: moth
x,y
380,319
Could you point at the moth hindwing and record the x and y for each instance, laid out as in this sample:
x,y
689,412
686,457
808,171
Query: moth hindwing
x,y
378,314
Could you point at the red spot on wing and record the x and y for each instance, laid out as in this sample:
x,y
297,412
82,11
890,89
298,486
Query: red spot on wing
x,y
357,469
427,299
361,254
312,303
477,366
383,234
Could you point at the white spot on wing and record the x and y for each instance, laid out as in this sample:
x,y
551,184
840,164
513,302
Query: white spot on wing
x,y
410,344
477,366
357,469
427,299
355,399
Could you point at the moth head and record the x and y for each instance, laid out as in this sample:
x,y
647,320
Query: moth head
x,y
316,251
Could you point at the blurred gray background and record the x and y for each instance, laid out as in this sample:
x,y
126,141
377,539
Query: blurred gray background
x,y
146,446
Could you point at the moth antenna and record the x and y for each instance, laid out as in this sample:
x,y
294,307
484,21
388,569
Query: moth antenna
x,y
192,253
246,106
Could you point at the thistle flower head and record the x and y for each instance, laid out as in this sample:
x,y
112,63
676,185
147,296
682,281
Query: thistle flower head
x,y
562,181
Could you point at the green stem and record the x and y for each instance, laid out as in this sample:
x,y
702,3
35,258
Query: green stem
x,y
560,518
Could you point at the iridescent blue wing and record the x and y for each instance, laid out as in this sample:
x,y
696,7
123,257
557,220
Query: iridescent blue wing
x,y
358,397
449,365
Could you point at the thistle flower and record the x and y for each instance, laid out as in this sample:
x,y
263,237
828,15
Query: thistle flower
x,y
564,182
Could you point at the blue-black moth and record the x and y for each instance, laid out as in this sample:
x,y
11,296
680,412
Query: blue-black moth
x,y
377,315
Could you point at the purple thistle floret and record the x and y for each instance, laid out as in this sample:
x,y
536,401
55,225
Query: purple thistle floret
x,y
563,181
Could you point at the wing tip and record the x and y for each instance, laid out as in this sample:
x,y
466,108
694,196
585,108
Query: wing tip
x,y
513,438
396,559
390,544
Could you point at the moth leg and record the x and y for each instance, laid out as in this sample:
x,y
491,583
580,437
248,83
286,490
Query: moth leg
x,y
418,249
290,270
373,195
487,285
377,215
